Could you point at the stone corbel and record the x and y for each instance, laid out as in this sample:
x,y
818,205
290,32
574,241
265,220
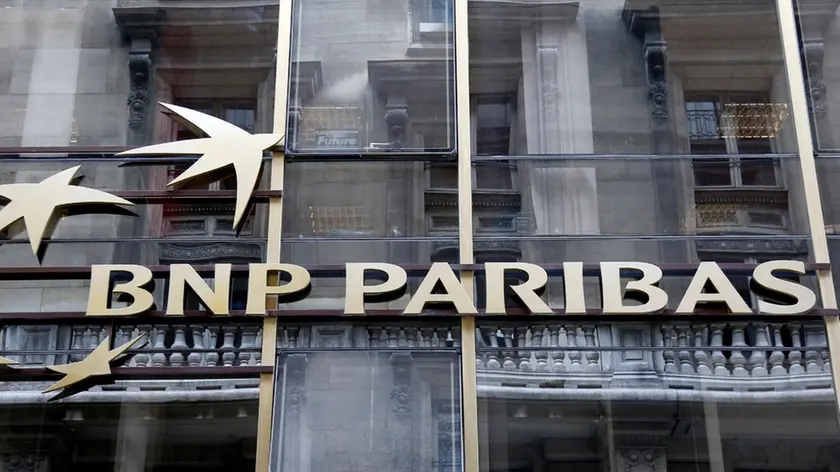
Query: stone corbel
x,y
396,118
813,53
645,25
140,67
657,83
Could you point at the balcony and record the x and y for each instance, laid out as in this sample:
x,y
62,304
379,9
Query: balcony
x,y
734,362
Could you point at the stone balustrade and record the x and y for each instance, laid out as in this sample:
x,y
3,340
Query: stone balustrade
x,y
385,336
194,345
163,344
750,356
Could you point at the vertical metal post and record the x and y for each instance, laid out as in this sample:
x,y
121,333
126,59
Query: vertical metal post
x,y
275,221
805,146
469,407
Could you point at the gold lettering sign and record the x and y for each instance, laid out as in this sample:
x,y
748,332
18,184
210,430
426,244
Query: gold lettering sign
x,y
382,282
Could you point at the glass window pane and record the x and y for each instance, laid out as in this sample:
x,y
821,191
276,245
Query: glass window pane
x,y
371,76
205,434
761,172
89,74
819,25
85,80
397,212
558,198
663,396
712,173
395,404
626,77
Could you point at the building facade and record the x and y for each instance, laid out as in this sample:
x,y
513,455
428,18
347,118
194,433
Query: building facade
x,y
672,132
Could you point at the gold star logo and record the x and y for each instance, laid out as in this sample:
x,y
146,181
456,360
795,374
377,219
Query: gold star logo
x,y
36,203
227,145
79,376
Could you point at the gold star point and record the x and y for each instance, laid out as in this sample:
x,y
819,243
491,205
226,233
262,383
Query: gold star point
x,y
96,364
227,145
36,203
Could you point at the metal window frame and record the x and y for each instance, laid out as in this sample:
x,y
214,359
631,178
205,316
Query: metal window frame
x,y
469,420
805,146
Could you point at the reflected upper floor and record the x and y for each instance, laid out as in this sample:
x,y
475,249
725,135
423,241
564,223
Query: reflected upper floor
x,y
546,78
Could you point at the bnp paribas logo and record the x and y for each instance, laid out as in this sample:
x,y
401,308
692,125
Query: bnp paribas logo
x,y
227,147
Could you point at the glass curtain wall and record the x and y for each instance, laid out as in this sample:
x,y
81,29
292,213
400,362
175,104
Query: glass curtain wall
x,y
599,131
81,81
648,130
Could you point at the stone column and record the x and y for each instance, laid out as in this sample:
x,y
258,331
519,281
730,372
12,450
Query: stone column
x,y
558,120
555,102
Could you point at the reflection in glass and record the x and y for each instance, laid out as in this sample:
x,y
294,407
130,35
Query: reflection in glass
x,y
371,76
709,396
819,28
371,410
92,74
206,435
643,196
626,77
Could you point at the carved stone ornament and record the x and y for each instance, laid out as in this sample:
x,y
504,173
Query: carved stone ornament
x,y
814,53
657,83
22,461
780,246
295,377
636,460
402,394
209,252
139,65
396,118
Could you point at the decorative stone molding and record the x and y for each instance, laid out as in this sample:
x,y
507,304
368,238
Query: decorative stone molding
x,y
645,25
138,97
200,209
24,462
396,117
747,246
741,210
402,394
206,252
813,54
638,460
139,65
657,83
295,392
449,198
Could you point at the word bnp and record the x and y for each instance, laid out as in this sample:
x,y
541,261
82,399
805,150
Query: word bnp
x,y
770,282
